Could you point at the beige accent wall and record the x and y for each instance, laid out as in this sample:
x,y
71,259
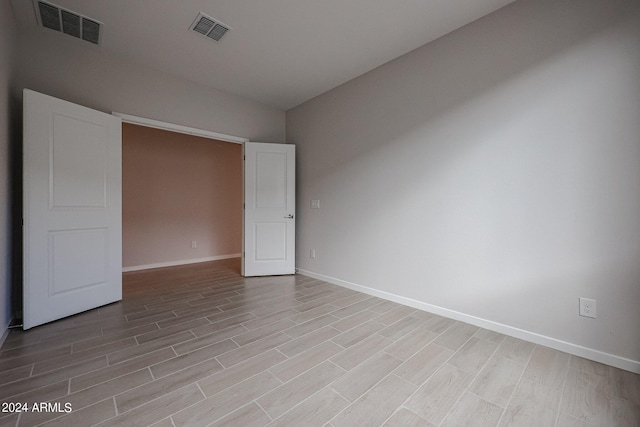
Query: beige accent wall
x,y
176,189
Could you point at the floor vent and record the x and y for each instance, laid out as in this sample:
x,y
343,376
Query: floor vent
x,y
207,26
68,22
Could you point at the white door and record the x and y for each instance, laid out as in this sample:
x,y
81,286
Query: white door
x,y
269,209
72,209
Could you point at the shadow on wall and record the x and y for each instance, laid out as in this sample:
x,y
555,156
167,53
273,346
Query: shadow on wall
x,y
471,94
485,63
15,173
499,161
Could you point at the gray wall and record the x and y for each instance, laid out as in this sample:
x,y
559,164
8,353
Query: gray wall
x,y
8,39
76,71
492,175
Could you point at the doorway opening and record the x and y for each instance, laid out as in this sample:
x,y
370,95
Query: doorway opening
x,y
181,197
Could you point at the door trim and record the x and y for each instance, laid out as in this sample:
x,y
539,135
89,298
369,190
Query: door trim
x,y
157,124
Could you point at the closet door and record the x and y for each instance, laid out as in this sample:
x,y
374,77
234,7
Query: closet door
x,y
269,215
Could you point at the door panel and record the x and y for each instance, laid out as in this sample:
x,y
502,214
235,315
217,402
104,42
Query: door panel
x,y
269,222
79,259
78,149
72,209
271,241
271,180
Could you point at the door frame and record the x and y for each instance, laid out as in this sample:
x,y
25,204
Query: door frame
x,y
172,127
142,121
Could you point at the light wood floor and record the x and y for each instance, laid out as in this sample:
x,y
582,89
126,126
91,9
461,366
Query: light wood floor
x,y
200,345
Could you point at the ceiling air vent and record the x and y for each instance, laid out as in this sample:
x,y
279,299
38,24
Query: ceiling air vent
x,y
71,23
207,26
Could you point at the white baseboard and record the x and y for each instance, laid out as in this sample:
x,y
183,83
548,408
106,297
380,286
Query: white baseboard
x,y
567,347
180,262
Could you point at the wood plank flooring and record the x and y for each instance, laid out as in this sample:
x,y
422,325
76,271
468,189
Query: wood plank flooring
x,y
200,345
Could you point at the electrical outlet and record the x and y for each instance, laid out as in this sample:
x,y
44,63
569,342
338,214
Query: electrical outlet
x,y
194,244
312,254
315,204
588,307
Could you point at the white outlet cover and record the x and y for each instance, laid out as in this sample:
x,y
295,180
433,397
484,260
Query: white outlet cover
x,y
588,308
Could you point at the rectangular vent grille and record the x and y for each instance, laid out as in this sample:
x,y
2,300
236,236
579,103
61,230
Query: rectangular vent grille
x,y
207,26
68,22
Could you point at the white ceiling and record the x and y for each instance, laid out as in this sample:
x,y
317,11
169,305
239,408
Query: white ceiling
x,y
279,52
